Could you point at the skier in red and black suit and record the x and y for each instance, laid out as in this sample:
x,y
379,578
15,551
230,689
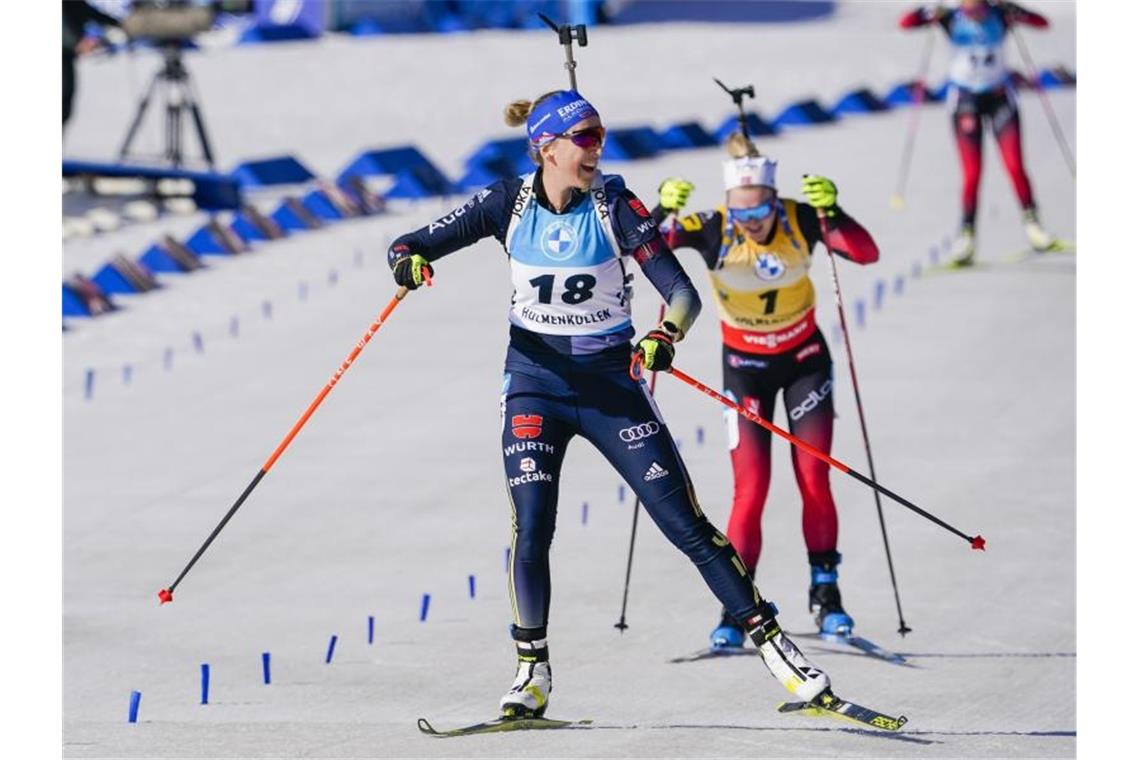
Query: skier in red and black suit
x,y
981,88
757,249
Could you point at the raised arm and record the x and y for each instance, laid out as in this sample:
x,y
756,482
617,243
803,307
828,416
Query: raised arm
x,y
1015,14
844,236
924,15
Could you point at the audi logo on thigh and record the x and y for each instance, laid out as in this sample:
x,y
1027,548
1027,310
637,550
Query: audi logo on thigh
x,y
637,432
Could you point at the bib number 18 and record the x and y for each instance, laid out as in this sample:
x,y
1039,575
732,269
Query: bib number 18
x,y
576,289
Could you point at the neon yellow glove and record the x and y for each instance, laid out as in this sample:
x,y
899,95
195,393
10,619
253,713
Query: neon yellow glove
x,y
820,192
655,351
673,193
409,271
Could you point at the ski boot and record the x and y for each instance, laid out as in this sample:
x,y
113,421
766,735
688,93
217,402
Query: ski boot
x,y
823,599
530,693
962,250
1041,240
727,634
784,659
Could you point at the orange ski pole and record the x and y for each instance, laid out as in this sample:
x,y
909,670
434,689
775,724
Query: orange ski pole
x,y
167,594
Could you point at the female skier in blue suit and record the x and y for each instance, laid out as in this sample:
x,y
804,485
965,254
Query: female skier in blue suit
x,y
571,234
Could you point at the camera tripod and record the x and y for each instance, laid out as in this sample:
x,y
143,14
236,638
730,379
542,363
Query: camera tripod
x,y
174,79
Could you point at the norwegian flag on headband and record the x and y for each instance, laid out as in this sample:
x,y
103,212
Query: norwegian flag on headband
x,y
750,172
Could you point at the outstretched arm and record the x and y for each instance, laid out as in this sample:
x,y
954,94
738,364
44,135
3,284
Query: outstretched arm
x,y
924,15
486,214
1015,14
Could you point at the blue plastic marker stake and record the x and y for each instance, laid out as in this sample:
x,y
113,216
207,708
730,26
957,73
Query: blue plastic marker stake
x,y
424,607
933,255
205,683
168,358
302,290
880,293
471,586
89,383
900,281
621,494
234,326
585,512
127,372
371,629
265,667
332,646
860,312
267,309
700,436
133,713
333,277
198,346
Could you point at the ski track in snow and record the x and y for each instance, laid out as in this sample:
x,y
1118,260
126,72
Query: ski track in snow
x,y
394,488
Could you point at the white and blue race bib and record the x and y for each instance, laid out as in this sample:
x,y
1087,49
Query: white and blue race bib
x,y
567,269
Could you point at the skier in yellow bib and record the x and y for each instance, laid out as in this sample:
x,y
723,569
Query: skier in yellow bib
x,y
757,249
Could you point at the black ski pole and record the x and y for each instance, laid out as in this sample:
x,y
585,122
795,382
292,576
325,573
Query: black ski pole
x,y
620,624
903,628
1035,81
917,98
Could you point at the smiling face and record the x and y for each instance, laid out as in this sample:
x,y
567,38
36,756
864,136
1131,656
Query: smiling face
x,y
572,165
748,198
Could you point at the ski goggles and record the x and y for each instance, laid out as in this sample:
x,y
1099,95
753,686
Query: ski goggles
x,y
752,213
590,137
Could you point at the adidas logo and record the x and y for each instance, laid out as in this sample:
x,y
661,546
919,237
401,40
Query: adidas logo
x,y
655,471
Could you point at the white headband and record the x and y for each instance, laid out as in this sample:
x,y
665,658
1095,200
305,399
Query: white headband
x,y
749,171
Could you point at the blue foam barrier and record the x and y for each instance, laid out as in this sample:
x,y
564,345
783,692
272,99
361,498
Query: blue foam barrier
x,y
276,33
688,134
803,113
204,242
121,275
212,191
631,143
416,176
484,174
939,93
290,215
266,172
903,94
73,305
1056,77
318,203
858,102
757,126
158,259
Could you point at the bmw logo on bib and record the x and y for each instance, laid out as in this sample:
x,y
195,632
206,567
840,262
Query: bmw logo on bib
x,y
559,241
769,266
